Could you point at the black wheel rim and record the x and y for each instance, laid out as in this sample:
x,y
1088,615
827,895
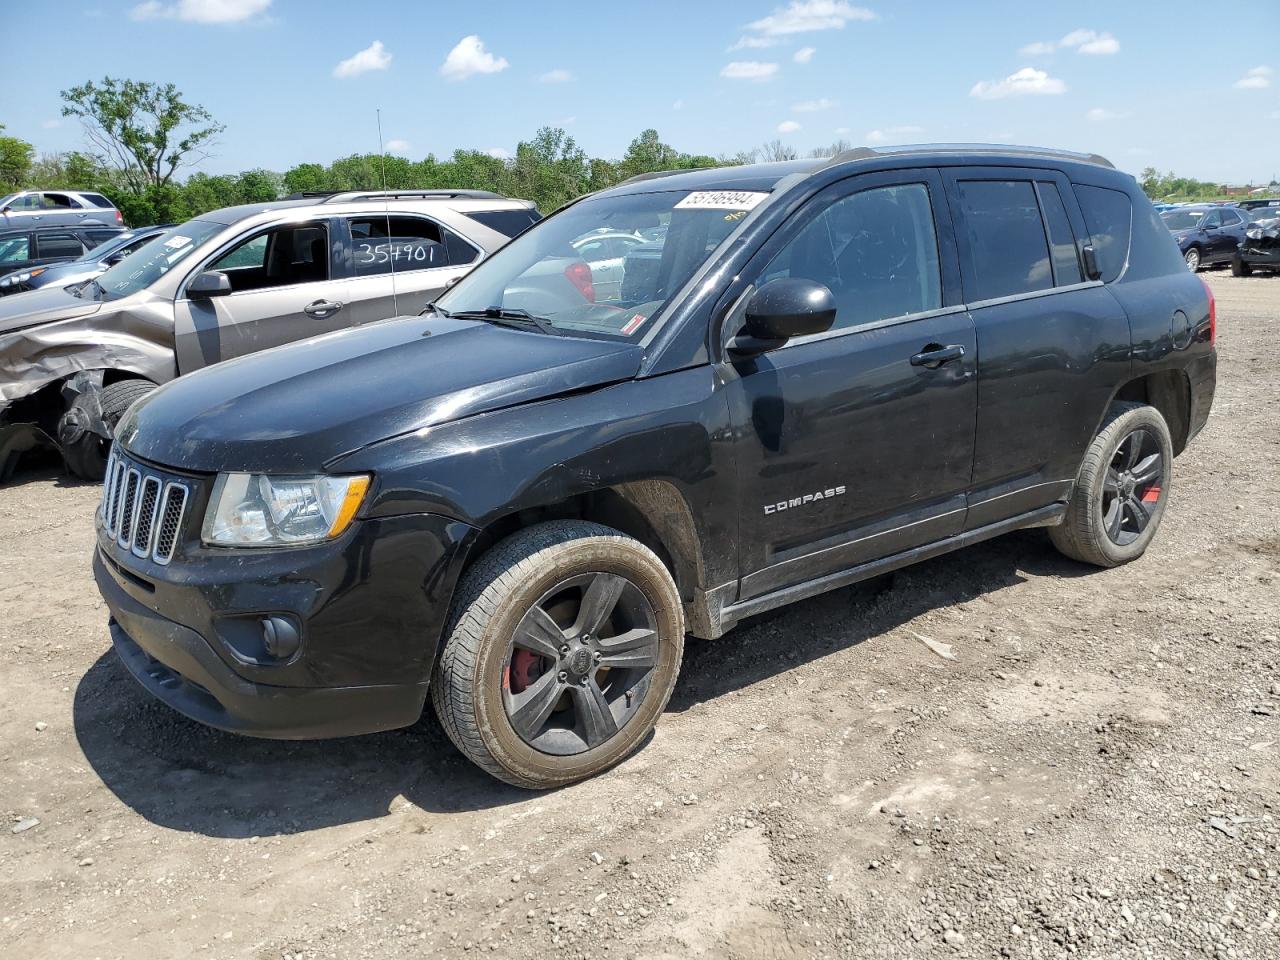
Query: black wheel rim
x,y
1132,487
580,664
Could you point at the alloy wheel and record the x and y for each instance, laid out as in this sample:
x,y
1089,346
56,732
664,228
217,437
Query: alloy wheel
x,y
580,663
1132,487
1193,260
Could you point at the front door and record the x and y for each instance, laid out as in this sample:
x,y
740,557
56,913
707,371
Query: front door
x,y
283,289
857,443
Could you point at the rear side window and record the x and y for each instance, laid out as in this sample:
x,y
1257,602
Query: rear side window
x,y
381,244
1006,236
1108,215
506,222
1062,243
58,245
97,199
59,201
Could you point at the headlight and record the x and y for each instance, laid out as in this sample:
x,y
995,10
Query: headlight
x,y
254,510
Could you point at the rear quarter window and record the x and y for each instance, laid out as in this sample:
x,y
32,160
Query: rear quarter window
x,y
97,199
1108,214
506,222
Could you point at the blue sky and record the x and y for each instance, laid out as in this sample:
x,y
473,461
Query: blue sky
x,y
299,80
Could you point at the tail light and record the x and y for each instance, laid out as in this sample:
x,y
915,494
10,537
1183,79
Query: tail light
x,y
579,274
1213,313
119,218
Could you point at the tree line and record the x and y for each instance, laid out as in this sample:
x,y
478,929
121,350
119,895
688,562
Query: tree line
x,y
143,137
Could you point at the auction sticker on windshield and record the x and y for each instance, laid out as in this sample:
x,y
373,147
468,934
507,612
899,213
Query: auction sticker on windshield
x,y
721,200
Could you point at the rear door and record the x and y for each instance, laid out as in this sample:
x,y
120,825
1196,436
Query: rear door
x,y
283,289
1052,343
59,246
857,443
399,262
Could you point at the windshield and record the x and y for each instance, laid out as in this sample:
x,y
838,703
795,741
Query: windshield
x,y
605,266
149,263
1181,219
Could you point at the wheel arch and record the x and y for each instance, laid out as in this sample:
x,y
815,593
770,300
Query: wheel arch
x,y
1169,391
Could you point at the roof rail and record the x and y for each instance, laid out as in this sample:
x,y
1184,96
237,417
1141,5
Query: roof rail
x,y
990,149
353,195
657,175
308,194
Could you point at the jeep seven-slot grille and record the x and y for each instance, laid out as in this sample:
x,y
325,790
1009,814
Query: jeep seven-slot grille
x,y
141,510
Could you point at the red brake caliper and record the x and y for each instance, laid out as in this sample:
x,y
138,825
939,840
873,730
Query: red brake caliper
x,y
1151,495
526,667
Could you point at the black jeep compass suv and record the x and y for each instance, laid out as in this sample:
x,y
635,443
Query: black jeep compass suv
x,y
521,501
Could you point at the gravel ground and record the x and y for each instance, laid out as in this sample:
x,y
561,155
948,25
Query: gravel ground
x,y
1078,762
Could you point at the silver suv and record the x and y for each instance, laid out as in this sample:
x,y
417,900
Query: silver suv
x,y
223,285
38,208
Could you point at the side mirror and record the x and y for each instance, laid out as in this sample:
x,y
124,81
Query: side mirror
x,y
781,309
211,283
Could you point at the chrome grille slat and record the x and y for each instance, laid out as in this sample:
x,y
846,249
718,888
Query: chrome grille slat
x,y
148,504
143,510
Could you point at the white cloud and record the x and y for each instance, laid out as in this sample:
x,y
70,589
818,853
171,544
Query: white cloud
x,y
372,57
814,106
1255,78
397,146
499,153
892,134
1102,113
1091,41
470,57
558,75
804,54
808,16
749,70
200,11
1038,49
753,43
678,105
788,126
51,124
1027,81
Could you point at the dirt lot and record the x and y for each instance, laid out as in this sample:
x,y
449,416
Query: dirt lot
x,y
1094,773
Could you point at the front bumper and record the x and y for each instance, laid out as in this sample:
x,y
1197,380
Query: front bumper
x,y
370,608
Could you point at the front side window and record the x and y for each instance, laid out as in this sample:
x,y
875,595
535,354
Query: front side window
x,y
28,201
281,257
1211,220
876,251
541,272
1007,246
15,249
386,244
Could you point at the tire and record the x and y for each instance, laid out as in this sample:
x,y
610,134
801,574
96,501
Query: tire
x,y
1192,256
1090,532
86,457
1239,268
481,675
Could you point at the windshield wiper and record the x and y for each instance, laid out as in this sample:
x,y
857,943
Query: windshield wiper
x,y
507,317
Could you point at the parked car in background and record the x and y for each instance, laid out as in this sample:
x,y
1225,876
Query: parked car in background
x,y
25,249
105,255
225,284
1257,210
604,253
1259,203
1206,234
45,207
1261,247
517,509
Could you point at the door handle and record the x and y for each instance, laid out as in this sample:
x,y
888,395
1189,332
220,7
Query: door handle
x,y
935,355
322,308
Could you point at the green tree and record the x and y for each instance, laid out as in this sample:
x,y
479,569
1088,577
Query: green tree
x,y
306,178
258,186
16,157
145,130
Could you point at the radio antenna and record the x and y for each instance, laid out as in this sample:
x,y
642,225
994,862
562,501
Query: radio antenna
x,y
386,208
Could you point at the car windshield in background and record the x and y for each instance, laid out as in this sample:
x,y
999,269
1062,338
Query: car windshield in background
x,y
605,266
1181,219
148,264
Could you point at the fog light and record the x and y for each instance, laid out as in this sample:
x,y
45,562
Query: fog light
x,y
279,637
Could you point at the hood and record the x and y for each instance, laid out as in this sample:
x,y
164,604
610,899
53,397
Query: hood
x,y
298,407
45,305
